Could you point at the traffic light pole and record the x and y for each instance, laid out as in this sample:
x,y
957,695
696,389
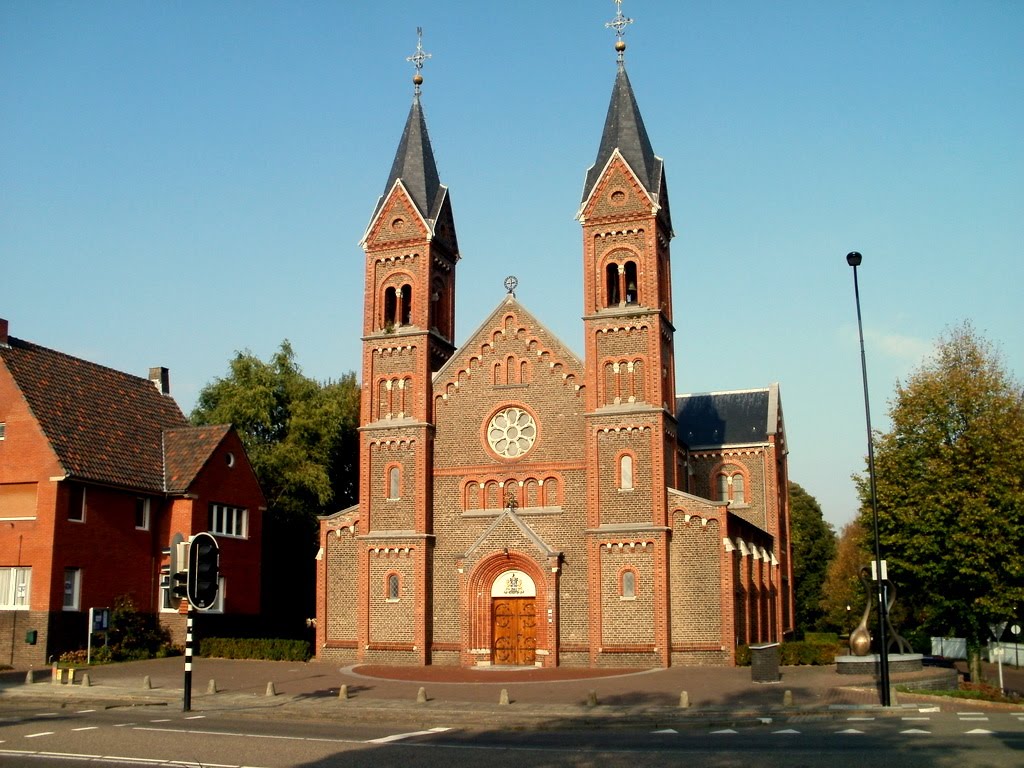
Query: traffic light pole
x,y
187,702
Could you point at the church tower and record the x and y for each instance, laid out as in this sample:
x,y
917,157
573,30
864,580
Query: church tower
x,y
631,426
408,334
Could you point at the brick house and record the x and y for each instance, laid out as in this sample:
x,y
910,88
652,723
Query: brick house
x,y
98,471
521,505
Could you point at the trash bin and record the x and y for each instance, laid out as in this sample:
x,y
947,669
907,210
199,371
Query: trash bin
x,y
764,663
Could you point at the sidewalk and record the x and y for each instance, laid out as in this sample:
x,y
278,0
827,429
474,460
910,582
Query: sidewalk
x,y
537,697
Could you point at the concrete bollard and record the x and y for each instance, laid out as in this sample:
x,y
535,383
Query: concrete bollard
x,y
86,680
29,677
211,687
271,691
147,683
421,696
787,698
592,699
71,676
55,674
892,696
684,700
343,692
503,698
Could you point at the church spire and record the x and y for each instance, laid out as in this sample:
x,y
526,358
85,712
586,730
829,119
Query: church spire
x,y
624,127
414,161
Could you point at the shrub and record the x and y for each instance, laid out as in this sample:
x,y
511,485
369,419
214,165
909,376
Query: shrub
x,y
255,648
821,638
797,653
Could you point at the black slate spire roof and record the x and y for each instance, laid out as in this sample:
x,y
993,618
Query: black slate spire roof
x,y
414,164
624,130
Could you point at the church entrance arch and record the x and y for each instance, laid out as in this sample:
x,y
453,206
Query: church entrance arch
x,y
513,619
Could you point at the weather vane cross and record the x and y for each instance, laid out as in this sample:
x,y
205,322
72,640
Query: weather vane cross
x,y
417,60
619,24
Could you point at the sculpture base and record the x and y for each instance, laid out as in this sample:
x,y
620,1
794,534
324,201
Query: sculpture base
x,y
868,665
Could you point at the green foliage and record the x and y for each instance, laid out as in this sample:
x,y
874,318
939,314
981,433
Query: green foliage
x,y
821,638
951,491
814,547
255,648
132,635
300,436
798,654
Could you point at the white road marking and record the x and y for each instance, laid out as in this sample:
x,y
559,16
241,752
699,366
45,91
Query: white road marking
x,y
87,728
978,731
84,711
666,730
725,730
117,759
915,731
860,719
851,730
400,736
915,718
786,731
36,735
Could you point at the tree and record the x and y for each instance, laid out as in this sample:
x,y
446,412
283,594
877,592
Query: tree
x,y
300,436
950,489
843,596
814,546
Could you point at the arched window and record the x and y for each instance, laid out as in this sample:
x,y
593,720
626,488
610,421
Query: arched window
x,y
393,587
632,291
626,472
549,492
627,584
723,487
405,294
394,483
738,491
611,282
390,307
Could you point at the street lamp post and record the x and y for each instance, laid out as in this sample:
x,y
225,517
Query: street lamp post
x,y
854,259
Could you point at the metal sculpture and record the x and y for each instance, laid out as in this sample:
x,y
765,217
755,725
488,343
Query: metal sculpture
x,y
860,638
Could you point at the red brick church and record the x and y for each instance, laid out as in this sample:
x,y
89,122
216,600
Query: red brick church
x,y
522,505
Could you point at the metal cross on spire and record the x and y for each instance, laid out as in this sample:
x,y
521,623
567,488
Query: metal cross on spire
x,y
619,24
417,60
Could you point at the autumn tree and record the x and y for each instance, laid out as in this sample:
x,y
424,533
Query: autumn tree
x,y
814,546
843,595
300,436
950,489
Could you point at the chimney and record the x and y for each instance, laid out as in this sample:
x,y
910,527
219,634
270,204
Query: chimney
x,y
3,332
161,378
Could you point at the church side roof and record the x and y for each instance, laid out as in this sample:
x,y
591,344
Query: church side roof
x,y
716,419
624,130
105,426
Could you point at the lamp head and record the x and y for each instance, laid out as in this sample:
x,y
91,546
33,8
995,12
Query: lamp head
x,y
853,258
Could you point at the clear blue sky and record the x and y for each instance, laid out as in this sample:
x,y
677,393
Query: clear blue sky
x,y
181,180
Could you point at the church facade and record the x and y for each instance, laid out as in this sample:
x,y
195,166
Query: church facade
x,y
521,505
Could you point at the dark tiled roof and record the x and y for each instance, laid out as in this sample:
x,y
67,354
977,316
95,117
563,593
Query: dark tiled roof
x,y
187,450
624,130
726,418
105,426
414,164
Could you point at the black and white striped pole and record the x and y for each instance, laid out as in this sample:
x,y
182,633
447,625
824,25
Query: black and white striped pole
x,y
187,702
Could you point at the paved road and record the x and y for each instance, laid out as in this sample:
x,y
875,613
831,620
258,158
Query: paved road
x,y
157,735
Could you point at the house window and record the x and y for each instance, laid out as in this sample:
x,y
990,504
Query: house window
x,y
3,430
631,284
394,483
392,588
14,588
229,521
142,513
731,486
72,588
17,501
627,585
626,472
76,506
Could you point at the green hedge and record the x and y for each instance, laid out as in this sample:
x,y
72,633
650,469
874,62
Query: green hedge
x,y
821,638
797,653
255,648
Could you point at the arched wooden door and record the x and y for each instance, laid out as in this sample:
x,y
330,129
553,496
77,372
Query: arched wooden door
x,y
514,624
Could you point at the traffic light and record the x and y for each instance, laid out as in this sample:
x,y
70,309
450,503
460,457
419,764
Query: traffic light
x,y
179,585
203,570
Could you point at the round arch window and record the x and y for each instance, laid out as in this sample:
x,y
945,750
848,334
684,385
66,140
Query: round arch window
x,y
511,432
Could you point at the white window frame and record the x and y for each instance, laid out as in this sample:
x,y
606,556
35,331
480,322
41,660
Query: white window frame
x,y
81,512
145,513
75,591
229,521
15,588
3,430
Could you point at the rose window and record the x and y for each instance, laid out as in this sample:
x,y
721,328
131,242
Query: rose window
x,y
511,432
